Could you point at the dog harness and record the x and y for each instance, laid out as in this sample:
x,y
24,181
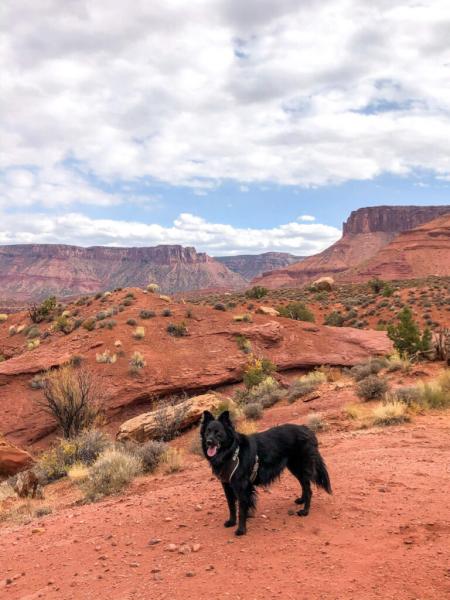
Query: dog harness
x,y
234,467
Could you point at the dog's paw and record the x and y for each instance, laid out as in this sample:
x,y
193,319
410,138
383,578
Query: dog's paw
x,y
300,500
240,531
229,523
303,512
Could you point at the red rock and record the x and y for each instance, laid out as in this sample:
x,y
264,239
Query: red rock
x,y
13,459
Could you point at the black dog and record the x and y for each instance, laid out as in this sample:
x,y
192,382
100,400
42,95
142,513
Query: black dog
x,y
244,461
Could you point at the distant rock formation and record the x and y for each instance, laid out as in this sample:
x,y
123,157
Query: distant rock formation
x,y
253,265
36,271
365,233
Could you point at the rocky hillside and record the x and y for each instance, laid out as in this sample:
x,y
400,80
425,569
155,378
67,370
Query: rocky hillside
x,y
37,271
250,266
419,252
365,233
207,355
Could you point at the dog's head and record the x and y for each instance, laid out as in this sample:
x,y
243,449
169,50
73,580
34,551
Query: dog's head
x,y
217,434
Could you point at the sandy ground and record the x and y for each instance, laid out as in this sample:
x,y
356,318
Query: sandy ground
x,y
383,534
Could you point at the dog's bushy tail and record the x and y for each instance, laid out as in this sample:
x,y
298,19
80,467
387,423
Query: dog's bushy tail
x,y
322,479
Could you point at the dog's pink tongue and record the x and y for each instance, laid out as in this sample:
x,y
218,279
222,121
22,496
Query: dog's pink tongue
x,y
212,451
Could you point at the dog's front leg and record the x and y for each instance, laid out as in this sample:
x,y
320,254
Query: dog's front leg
x,y
231,499
245,503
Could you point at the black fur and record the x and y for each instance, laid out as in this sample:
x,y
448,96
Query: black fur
x,y
291,446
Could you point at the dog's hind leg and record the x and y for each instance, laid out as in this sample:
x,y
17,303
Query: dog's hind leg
x,y
231,499
246,500
303,473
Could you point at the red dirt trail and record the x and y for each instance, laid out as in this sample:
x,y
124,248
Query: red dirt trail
x,y
383,534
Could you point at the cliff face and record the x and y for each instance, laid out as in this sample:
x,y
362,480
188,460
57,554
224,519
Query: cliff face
x,y
36,271
365,233
390,219
419,252
253,265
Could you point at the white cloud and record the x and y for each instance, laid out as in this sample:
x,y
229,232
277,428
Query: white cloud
x,y
307,218
302,93
187,229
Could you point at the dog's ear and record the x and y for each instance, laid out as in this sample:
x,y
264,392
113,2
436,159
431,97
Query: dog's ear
x,y
224,418
206,418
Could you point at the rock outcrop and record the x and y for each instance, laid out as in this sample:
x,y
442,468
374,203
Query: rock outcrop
x,y
36,271
365,233
13,459
148,425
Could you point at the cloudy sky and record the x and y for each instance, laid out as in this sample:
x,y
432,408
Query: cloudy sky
x,y
228,125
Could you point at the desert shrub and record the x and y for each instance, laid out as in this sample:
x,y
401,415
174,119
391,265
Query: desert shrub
x,y
371,388
334,319
110,473
256,371
137,362
169,417
434,396
89,444
101,315
166,312
220,306
54,463
149,453
39,313
130,296
153,288
372,367
172,460
110,324
247,426
297,311
243,318
316,377
127,302
352,411
244,344
177,329
267,393
139,333
409,395
406,335
131,322
316,422
106,357
376,285
189,314
253,410
147,314
300,388
64,324
33,332
32,344
72,397
388,290
396,362
256,292
89,324
390,413
3,318
12,330
331,374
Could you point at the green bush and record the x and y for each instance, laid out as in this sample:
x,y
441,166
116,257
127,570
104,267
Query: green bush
x,y
256,292
406,335
131,322
297,311
334,319
256,371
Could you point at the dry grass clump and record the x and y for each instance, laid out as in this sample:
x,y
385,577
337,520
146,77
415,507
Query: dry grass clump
x,y
316,422
172,461
372,367
397,362
6,491
24,512
110,473
247,427
353,411
106,358
390,413
3,318
149,453
305,385
137,362
139,333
